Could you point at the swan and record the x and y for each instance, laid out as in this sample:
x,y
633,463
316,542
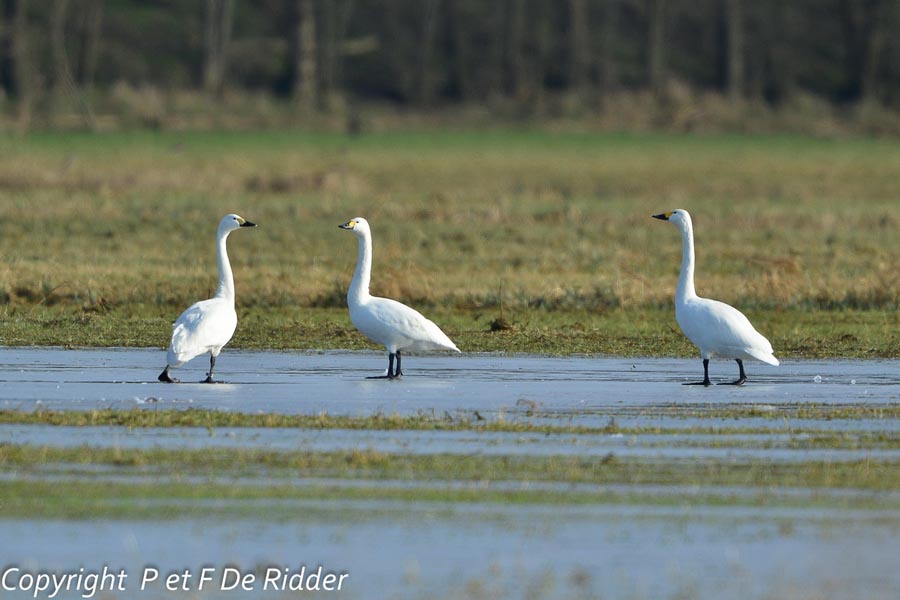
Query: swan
x,y
385,321
209,324
716,328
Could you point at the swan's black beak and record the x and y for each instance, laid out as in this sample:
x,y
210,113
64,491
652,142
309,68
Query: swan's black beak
x,y
248,224
663,216
348,225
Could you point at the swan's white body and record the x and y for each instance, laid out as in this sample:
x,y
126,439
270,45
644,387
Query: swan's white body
x,y
206,326
203,328
716,328
397,326
384,321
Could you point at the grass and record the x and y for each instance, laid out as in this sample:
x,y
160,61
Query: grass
x,y
549,232
513,421
638,332
719,433
256,474
112,482
129,483
148,480
87,500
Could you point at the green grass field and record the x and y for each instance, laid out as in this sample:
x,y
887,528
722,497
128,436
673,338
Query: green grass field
x,y
106,238
164,476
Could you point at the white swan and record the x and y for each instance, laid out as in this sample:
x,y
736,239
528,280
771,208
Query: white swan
x,y
383,320
209,324
715,327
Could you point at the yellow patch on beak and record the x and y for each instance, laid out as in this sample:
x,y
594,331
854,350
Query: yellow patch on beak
x,y
351,224
241,220
669,215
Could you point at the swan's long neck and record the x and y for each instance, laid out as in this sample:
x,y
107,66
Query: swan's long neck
x,y
685,288
226,278
359,287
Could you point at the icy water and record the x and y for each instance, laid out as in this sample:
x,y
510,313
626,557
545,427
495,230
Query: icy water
x,y
488,551
586,389
403,549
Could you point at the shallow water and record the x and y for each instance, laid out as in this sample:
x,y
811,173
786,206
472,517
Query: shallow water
x,y
469,443
435,550
476,551
586,389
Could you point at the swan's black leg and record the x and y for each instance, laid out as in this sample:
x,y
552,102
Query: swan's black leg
x,y
398,372
390,370
166,378
705,381
742,377
212,365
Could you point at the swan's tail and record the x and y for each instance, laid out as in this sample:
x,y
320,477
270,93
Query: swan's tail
x,y
446,343
766,357
439,339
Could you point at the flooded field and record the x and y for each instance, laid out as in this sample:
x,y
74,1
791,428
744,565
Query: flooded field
x,y
528,477
498,552
297,382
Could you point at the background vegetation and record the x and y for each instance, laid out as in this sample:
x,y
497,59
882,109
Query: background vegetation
x,y
508,155
822,66
106,238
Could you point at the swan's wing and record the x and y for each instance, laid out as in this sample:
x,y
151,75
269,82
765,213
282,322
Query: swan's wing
x,y
184,346
719,328
394,323
204,326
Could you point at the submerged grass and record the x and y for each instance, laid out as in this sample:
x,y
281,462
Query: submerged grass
x,y
781,435
370,464
514,420
212,419
141,482
116,500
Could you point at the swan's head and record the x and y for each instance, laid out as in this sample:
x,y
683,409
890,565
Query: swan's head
x,y
358,225
231,222
679,216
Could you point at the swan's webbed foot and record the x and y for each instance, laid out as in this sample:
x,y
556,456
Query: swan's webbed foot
x,y
742,377
385,376
166,378
212,365
390,373
706,382
398,373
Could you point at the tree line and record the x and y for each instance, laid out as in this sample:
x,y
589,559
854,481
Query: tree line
x,y
433,53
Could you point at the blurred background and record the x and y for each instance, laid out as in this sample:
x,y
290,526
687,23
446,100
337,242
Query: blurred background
x,y
508,155
820,66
